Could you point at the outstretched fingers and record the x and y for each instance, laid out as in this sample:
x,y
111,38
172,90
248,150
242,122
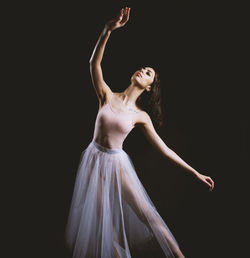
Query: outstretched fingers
x,y
120,15
125,15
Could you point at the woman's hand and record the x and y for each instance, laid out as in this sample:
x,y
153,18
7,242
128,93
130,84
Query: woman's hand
x,y
207,180
119,20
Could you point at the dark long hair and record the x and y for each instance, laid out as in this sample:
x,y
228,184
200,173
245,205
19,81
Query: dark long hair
x,y
151,101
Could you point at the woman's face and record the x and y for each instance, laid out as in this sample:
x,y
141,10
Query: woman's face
x,y
144,77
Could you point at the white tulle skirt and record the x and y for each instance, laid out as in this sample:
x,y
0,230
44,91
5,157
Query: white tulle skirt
x,y
110,212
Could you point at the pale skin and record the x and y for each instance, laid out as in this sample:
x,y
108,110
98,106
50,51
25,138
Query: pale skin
x,y
140,81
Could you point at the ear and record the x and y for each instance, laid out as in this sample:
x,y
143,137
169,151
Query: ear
x,y
148,88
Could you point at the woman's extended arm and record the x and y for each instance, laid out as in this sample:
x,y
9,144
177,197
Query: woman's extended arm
x,y
158,143
99,84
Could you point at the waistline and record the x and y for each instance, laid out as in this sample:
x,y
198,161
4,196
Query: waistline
x,y
105,149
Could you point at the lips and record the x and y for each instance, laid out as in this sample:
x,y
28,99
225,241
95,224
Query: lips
x,y
139,74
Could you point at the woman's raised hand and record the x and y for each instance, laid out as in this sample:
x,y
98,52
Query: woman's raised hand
x,y
120,20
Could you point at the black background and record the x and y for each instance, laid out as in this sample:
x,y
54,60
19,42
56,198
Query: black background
x,y
199,50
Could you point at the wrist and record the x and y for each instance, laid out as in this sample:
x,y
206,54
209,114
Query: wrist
x,y
195,173
107,29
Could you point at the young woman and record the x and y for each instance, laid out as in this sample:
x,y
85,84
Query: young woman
x,y
111,212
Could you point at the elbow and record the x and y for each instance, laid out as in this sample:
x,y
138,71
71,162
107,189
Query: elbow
x,y
93,62
92,59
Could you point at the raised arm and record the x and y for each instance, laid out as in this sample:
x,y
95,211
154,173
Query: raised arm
x,y
100,86
150,133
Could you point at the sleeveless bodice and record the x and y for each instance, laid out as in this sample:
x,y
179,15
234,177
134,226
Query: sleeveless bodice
x,y
111,128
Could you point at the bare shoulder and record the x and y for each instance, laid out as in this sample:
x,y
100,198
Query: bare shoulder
x,y
142,118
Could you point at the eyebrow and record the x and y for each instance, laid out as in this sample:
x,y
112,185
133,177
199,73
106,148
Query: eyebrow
x,y
150,70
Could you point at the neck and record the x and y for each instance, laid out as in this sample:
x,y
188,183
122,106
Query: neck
x,y
131,93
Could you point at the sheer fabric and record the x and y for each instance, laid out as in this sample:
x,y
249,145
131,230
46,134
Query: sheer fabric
x,y
110,212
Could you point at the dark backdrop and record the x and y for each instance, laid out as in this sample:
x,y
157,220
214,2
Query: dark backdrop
x,y
197,47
